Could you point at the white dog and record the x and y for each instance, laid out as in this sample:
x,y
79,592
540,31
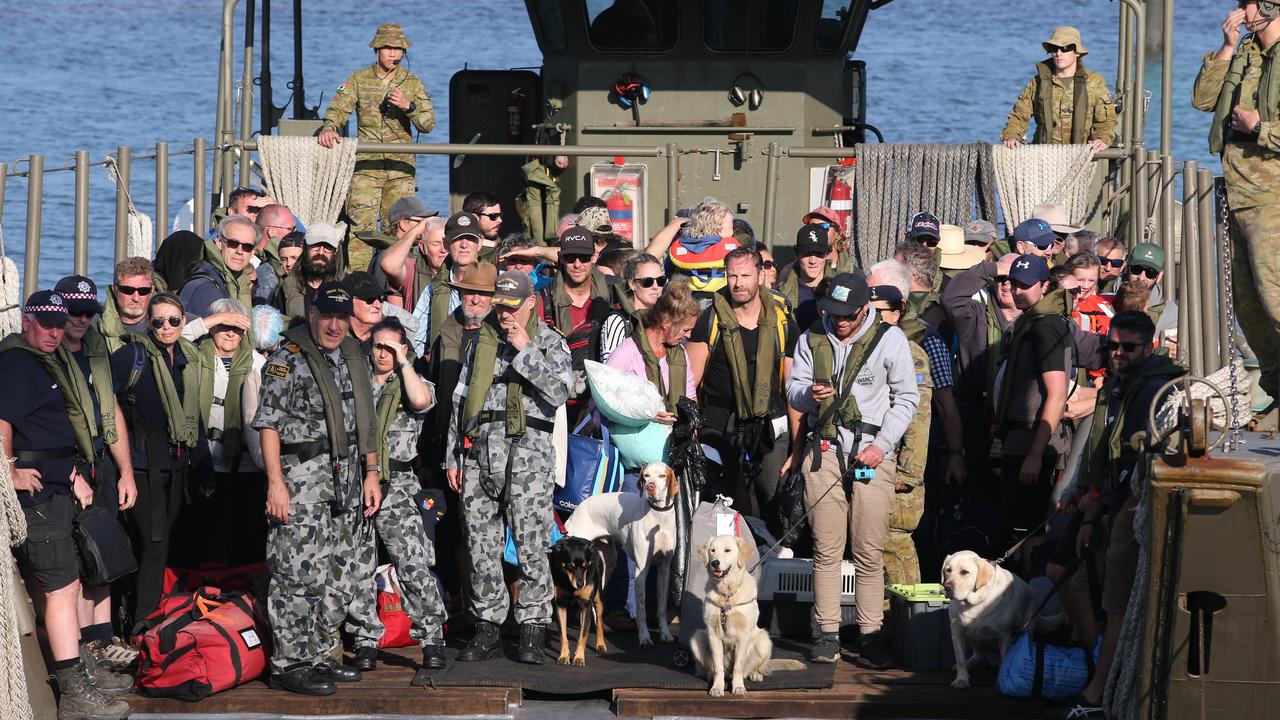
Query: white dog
x,y
646,527
731,639
989,606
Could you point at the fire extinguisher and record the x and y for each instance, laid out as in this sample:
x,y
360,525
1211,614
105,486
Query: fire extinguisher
x,y
621,211
840,199
515,115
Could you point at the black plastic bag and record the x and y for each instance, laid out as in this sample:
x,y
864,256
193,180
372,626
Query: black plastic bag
x,y
688,463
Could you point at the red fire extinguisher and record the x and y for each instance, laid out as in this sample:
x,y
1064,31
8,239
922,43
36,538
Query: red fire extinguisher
x,y
621,211
515,115
840,199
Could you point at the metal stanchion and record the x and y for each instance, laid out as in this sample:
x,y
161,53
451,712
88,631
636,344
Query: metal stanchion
x,y
1192,344
200,201
162,192
124,158
35,206
1210,273
81,250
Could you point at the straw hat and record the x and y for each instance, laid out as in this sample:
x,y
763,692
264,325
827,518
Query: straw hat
x,y
953,253
1063,36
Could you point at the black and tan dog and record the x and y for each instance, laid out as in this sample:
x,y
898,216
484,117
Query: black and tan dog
x,y
579,570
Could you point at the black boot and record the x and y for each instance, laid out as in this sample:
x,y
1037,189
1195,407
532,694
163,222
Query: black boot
x,y
331,670
433,657
531,642
366,659
872,653
484,645
302,679
80,699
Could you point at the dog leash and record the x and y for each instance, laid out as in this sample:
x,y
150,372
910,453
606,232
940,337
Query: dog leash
x,y
785,536
1001,560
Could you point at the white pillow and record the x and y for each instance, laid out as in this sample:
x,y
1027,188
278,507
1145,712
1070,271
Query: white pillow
x,y
623,398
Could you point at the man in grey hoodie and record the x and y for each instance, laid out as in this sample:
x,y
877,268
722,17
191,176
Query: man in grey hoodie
x,y
856,382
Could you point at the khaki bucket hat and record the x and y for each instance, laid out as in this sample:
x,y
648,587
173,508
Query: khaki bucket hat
x,y
1061,37
389,35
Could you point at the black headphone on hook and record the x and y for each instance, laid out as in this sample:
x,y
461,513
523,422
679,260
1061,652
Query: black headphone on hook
x,y
753,98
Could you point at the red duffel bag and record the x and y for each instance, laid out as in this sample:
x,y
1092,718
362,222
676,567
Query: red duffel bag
x,y
210,643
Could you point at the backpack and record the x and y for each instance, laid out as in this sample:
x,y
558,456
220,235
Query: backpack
x,y
207,643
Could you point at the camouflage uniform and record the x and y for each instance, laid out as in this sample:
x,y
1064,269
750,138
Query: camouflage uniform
x,y
1056,129
315,558
901,565
1251,81
507,482
379,180
400,527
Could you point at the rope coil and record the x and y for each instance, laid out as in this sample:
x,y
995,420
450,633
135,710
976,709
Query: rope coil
x,y
1036,174
13,529
309,179
140,237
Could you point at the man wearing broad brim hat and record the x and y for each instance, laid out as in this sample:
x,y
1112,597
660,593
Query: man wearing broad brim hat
x,y
513,379
1071,105
317,423
390,104
854,378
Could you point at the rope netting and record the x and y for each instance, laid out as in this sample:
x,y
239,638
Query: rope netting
x,y
308,178
1035,174
894,182
14,699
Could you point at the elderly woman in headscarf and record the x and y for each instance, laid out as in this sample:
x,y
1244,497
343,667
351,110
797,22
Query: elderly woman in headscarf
x,y
230,379
157,384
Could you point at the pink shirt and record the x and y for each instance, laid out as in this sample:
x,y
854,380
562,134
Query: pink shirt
x,y
627,357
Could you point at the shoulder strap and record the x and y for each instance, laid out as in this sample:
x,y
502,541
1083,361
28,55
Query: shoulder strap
x,y
137,368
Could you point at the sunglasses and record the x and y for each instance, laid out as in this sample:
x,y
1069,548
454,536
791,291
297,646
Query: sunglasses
x,y
174,321
245,246
493,217
287,228
131,290
648,282
1112,262
1060,48
767,264
929,241
814,253
1002,279
1136,270
823,225
1125,346
253,210
571,259
841,318
83,314
979,243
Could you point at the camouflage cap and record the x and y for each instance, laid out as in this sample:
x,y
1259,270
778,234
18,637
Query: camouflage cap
x,y
596,220
389,35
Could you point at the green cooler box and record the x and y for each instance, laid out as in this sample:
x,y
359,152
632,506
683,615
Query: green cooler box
x,y
921,627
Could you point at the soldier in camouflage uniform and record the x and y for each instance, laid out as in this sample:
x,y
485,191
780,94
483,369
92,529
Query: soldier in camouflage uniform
x,y
314,430
518,373
1070,104
389,102
403,398
1240,84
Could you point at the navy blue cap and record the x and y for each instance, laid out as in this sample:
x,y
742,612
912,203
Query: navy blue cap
x,y
332,299
889,294
1036,232
47,306
80,294
924,224
1029,270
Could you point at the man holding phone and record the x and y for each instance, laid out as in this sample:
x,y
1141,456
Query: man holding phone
x,y
854,377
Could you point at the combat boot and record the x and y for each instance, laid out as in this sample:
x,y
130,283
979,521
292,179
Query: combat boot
x,y
485,644
302,679
531,642
337,672
80,700
433,657
101,675
366,659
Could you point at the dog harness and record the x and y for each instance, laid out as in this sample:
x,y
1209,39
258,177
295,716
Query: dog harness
x,y
724,612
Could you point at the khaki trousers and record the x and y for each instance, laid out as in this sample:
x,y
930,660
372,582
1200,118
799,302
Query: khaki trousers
x,y
858,512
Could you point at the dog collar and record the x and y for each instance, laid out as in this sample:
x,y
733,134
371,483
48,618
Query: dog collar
x,y
724,611
664,508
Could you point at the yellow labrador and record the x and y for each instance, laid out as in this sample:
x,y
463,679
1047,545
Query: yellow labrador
x,y
731,639
989,606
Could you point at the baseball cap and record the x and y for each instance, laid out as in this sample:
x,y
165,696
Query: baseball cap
x,y
847,294
924,224
596,220
47,306
1029,270
885,297
79,294
1056,216
462,224
323,233
981,232
810,238
408,207
512,288
332,299
821,213
1036,232
479,277
577,240
294,239
1147,255
364,286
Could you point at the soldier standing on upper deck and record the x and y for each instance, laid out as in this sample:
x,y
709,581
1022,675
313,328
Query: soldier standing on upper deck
x,y
389,102
1239,84
1070,104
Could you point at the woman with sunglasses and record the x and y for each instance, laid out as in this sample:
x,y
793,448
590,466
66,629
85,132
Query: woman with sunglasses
x,y
1071,105
157,379
644,280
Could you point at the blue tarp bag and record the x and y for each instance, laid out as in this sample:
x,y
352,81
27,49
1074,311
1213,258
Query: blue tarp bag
x,y
593,467
1036,670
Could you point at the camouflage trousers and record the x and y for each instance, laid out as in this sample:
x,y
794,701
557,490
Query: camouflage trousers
x,y
399,525
316,563
1255,275
372,192
901,564
526,509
